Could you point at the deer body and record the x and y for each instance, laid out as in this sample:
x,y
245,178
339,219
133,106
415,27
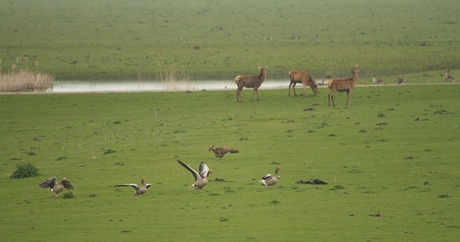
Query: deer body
x,y
303,77
343,85
219,152
254,82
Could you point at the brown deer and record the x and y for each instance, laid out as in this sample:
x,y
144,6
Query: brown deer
x,y
343,85
250,82
219,152
304,78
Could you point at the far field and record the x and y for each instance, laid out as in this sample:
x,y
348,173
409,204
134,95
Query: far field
x,y
92,39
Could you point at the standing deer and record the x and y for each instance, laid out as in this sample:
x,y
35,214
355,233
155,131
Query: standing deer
x,y
343,85
248,82
304,78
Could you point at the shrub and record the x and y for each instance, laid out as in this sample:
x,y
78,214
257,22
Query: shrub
x,y
24,171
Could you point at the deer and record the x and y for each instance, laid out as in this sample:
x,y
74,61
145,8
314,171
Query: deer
x,y
303,77
250,82
219,152
343,85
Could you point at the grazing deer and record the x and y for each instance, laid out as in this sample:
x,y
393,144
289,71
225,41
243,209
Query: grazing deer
x,y
448,77
304,78
343,85
248,82
219,152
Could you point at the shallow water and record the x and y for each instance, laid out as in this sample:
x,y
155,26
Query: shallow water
x,y
142,86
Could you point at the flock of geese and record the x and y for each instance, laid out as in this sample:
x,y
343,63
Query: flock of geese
x,y
447,78
201,179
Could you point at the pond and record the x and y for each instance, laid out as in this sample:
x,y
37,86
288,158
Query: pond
x,y
156,86
152,86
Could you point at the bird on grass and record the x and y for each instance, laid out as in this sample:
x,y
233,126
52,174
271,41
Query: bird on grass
x,y
56,187
447,76
376,81
269,180
201,178
140,190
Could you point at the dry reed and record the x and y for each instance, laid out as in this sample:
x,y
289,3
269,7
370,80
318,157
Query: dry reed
x,y
23,81
172,76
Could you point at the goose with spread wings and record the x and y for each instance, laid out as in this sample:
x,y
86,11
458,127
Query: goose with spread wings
x,y
56,187
140,190
201,178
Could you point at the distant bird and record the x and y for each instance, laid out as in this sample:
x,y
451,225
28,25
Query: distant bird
x,y
269,180
201,178
376,81
448,77
399,81
140,190
56,187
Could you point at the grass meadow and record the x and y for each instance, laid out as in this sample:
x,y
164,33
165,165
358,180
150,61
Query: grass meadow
x,y
107,39
390,160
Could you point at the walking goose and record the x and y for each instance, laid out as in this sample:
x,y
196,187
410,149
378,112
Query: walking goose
x,y
448,77
56,187
200,178
269,180
140,190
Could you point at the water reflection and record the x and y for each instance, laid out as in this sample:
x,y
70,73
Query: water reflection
x,y
154,86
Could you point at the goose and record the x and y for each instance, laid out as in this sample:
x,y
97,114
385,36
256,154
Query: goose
x,y
200,178
56,187
376,81
269,180
448,77
140,190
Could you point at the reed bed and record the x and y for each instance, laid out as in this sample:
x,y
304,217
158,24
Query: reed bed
x,y
23,81
173,76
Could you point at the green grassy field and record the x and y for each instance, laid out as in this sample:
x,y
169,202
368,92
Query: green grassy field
x,y
390,160
137,39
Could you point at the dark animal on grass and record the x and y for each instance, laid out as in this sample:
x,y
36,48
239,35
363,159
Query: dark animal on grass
x,y
303,77
312,182
254,82
56,187
343,85
219,152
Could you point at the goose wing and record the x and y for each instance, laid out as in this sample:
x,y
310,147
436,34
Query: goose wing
x,y
66,184
148,185
267,176
195,174
204,170
133,185
48,183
